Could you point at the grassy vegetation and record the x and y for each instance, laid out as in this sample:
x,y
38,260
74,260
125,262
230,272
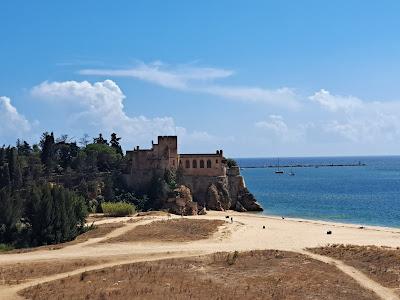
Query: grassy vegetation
x,y
5,247
266,274
117,209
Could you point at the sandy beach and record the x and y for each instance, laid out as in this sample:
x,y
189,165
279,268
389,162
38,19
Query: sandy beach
x,y
244,233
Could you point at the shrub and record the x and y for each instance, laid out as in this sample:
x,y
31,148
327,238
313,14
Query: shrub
x,y
117,209
232,259
231,163
5,247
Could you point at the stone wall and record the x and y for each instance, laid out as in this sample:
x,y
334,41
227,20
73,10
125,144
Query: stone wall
x,y
202,164
162,155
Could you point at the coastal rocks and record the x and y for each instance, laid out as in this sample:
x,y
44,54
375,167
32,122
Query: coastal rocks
x,y
218,197
181,202
248,201
221,192
239,207
202,211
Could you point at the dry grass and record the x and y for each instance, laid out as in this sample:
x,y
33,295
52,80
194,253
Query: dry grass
x,y
153,213
20,272
382,264
175,230
252,275
98,231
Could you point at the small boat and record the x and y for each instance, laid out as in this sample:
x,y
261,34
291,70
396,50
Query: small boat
x,y
279,171
291,172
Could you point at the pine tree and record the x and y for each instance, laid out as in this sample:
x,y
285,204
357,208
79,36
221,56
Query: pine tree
x,y
100,140
10,214
4,176
54,215
14,167
47,154
114,143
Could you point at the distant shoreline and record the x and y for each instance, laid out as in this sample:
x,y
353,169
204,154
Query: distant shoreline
x,y
306,166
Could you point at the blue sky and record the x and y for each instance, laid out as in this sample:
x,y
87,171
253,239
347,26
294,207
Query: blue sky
x,y
256,78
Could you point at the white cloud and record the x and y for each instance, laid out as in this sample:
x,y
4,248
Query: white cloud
x,y
199,79
274,123
178,78
279,97
13,124
336,103
280,130
100,106
360,121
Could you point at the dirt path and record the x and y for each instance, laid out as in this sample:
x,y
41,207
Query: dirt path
x,y
383,292
246,233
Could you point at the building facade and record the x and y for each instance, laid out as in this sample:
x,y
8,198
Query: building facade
x,y
164,155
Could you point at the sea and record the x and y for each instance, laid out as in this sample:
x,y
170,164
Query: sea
x,y
367,194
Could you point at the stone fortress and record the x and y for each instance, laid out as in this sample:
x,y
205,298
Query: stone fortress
x,y
205,180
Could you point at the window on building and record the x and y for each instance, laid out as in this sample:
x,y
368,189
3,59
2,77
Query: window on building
x,y
187,164
202,164
216,161
208,163
194,164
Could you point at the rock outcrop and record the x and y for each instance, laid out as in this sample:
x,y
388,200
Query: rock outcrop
x,y
247,201
218,197
222,192
180,202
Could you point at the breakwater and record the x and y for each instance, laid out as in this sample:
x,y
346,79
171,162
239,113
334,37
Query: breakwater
x,y
359,164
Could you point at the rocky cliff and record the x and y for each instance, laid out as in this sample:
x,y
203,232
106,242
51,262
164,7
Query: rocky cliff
x,y
221,192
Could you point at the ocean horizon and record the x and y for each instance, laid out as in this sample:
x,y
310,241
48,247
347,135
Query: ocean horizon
x,y
367,193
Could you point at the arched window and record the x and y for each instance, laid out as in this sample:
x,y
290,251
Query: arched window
x,y
194,164
202,164
187,164
208,164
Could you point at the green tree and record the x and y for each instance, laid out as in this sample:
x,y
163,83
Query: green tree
x,y
106,156
14,167
4,176
47,146
231,163
100,140
10,214
54,215
114,143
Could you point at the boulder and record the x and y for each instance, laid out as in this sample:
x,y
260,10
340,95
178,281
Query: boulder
x,y
182,203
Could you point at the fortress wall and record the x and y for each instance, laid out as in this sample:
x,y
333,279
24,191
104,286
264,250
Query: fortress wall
x,y
163,155
202,164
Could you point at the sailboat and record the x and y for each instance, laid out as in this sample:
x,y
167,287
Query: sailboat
x,y
279,171
291,172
